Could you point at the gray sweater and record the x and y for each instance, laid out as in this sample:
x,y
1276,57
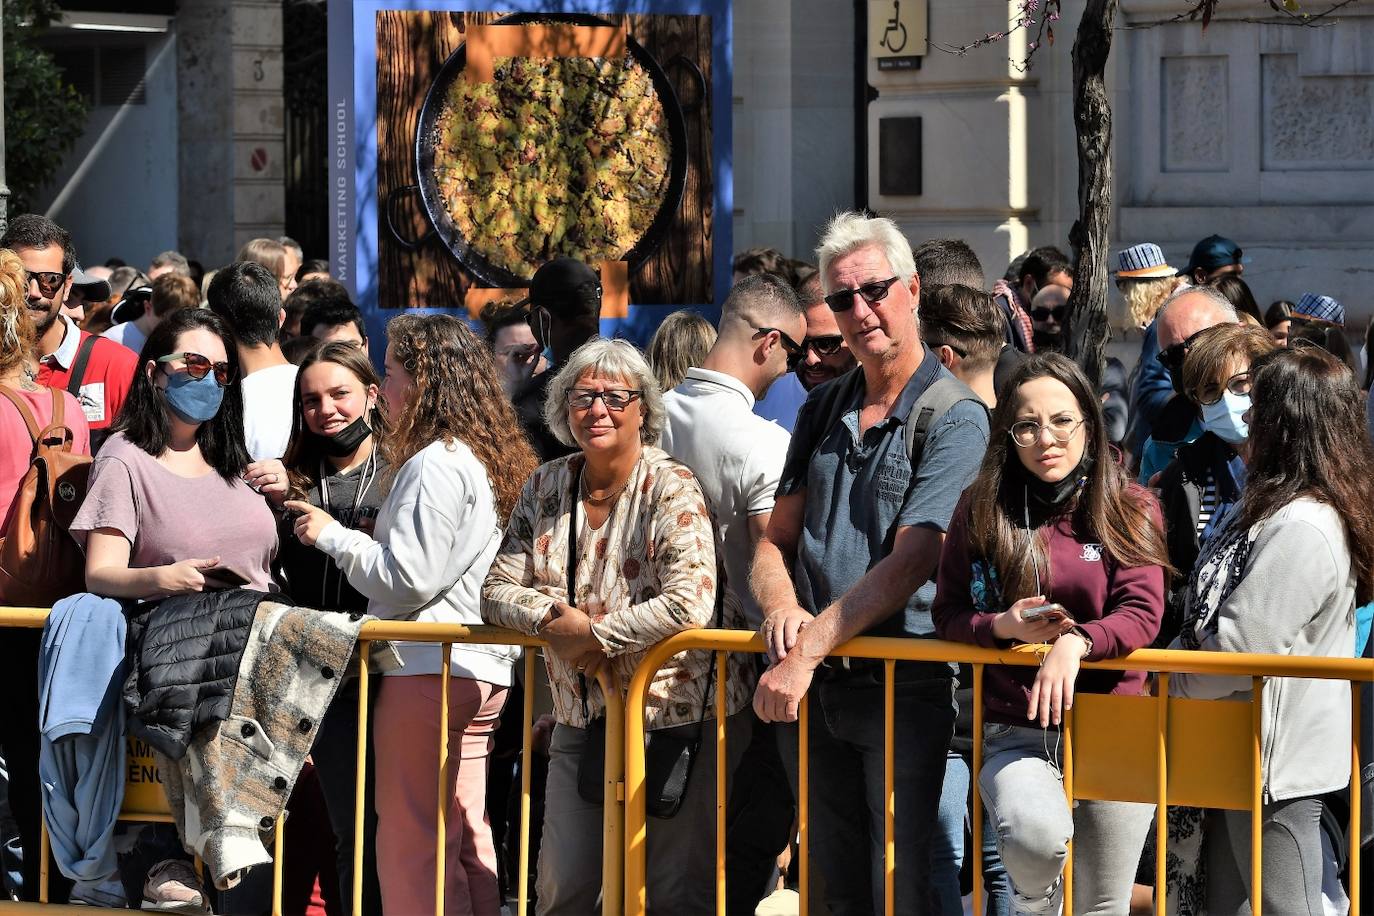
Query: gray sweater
x,y
1295,595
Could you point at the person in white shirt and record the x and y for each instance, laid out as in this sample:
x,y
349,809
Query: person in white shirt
x,y
246,295
459,460
169,292
738,459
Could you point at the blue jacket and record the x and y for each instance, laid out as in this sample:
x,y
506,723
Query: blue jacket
x,y
81,720
1151,391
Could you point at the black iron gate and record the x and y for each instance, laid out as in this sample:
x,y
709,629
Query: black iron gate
x,y
307,154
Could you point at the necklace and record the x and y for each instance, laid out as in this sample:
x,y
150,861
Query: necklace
x,y
599,500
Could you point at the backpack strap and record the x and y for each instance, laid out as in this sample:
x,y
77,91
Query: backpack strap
x,y
936,401
29,419
83,356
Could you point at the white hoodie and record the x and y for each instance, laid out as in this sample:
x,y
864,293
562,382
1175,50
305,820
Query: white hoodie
x,y
436,530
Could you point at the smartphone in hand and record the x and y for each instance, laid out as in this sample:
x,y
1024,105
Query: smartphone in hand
x,y
1052,611
224,577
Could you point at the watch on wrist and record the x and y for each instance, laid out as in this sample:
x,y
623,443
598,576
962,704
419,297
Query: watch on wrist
x,y
1082,634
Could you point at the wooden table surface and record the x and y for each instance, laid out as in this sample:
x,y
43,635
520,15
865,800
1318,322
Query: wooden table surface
x,y
412,46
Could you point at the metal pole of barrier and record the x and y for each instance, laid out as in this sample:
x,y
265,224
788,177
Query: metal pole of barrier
x,y
803,802
1162,789
1066,727
977,851
613,810
278,851
1354,799
441,835
522,897
1257,798
360,778
721,793
889,805
45,853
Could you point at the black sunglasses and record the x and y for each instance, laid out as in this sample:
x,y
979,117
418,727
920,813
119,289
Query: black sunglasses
x,y
1172,357
197,367
842,300
49,281
1045,314
824,345
795,351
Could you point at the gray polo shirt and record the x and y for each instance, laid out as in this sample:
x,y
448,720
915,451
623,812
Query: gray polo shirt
x,y
860,490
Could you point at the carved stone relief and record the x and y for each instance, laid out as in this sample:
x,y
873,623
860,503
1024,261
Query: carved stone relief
x,y
1195,102
1315,122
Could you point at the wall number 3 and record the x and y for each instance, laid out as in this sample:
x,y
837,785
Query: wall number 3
x,y
257,71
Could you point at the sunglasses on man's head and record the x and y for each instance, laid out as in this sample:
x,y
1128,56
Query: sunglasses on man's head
x,y
49,281
842,300
197,367
1045,314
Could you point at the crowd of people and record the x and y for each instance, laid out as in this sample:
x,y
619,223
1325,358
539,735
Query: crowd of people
x,y
880,443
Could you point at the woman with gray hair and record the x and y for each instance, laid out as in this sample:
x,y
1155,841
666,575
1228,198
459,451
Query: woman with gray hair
x,y
609,551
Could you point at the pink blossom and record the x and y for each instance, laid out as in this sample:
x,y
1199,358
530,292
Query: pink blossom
x,y
1054,17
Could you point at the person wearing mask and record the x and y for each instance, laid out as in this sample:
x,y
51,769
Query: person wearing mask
x,y
245,295
1283,575
1026,276
171,465
19,647
1053,543
737,457
169,292
609,551
334,461
1201,485
456,461
565,312
680,343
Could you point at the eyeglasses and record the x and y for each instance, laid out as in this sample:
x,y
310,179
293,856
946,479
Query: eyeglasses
x,y
614,398
795,352
824,345
1238,384
197,367
1026,433
1045,314
49,281
842,300
1172,357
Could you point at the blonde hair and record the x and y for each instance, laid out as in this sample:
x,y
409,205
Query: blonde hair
x,y
268,252
1144,297
850,231
16,325
680,343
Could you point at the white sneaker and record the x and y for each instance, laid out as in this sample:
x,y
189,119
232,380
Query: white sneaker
x,y
172,887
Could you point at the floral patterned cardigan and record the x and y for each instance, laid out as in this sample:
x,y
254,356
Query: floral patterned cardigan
x,y
650,571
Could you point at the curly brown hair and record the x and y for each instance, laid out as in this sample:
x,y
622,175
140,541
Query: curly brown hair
x,y
457,394
16,325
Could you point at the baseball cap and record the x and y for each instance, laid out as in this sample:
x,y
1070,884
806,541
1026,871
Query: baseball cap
x,y
567,288
1143,261
93,288
1320,308
1213,252
131,306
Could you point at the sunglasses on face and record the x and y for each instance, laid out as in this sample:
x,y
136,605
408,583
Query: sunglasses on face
x,y
197,367
795,352
49,281
614,398
825,345
1045,314
1172,357
842,300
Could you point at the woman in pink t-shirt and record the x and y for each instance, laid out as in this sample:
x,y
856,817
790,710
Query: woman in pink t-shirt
x,y
17,373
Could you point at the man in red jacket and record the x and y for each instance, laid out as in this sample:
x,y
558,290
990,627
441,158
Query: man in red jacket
x,y
98,372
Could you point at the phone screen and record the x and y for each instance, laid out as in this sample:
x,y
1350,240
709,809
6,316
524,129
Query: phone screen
x,y
224,575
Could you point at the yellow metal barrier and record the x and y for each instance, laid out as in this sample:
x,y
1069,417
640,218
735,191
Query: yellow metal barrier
x,y
1115,747
140,806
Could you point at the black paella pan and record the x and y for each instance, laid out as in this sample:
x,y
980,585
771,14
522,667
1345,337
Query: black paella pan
x,y
442,226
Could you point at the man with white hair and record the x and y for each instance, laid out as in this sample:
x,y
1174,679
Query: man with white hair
x,y
877,461
1180,319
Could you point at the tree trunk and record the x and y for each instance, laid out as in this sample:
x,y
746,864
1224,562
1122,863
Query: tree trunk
x,y
1092,119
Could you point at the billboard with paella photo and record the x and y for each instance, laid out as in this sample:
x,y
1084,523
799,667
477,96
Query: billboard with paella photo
x,y
472,142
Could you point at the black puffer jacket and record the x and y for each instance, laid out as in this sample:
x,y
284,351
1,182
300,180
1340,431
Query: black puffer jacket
x,y
183,654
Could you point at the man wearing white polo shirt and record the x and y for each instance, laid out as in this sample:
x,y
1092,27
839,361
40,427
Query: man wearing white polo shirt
x,y
738,458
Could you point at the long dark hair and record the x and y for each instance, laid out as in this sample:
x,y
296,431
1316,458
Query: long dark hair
x,y
1109,507
1308,439
143,418
457,395
303,453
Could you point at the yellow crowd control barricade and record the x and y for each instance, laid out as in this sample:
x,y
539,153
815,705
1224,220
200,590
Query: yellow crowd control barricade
x,y
144,800
1151,749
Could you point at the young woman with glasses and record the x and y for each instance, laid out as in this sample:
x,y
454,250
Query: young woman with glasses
x,y
609,551
457,459
1053,544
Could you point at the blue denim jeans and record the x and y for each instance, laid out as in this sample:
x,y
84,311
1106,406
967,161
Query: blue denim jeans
x,y
846,781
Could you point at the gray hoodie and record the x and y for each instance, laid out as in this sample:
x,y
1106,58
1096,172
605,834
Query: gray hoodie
x,y
1295,595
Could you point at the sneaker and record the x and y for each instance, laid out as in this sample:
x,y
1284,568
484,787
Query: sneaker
x,y
172,887
107,893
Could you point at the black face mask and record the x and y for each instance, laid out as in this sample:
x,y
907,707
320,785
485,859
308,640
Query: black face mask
x,y
346,441
1043,498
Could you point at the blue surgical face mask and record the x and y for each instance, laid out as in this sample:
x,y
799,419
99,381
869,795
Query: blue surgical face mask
x,y
1225,418
193,400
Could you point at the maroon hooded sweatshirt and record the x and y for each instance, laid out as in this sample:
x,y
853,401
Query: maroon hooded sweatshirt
x,y
1118,607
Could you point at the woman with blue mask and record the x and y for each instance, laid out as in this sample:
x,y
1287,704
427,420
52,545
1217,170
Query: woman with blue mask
x,y
1206,477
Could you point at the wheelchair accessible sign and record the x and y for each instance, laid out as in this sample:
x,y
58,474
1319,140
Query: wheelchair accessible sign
x,y
897,33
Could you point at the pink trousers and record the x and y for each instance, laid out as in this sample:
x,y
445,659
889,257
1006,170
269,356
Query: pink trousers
x,y
407,737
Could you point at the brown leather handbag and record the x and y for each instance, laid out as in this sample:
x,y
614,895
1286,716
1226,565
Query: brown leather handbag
x,y
40,562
